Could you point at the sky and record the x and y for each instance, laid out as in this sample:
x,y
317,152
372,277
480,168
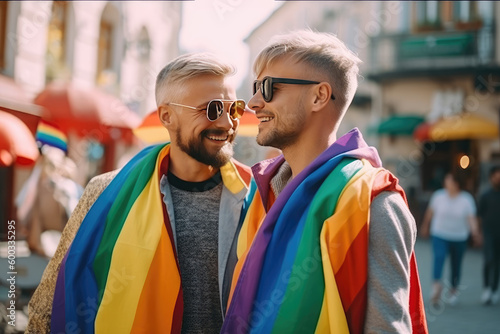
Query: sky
x,y
220,26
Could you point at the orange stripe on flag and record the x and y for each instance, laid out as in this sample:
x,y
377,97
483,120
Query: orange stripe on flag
x,y
158,298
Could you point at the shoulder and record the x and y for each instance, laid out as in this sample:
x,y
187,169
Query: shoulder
x,y
102,180
439,193
389,203
93,189
391,219
467,196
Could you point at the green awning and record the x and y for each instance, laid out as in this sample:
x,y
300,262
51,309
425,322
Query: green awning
x,y
397,125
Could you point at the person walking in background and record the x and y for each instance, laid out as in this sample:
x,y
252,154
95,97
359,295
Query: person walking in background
x,y
47,200
328,242
489,218
449,219
149,247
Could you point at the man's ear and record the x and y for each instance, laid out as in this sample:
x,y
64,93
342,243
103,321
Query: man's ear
x,y
165,115
322,96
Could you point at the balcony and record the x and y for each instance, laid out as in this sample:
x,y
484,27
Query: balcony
x,y
432,54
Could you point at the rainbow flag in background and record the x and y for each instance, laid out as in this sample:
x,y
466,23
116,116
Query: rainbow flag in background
x,y
303,262
50,134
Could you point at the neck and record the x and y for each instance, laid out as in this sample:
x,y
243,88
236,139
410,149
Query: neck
x,y
306,149
188,169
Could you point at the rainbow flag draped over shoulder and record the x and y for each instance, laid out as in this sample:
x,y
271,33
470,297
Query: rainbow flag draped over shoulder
x,y
303,266
120,274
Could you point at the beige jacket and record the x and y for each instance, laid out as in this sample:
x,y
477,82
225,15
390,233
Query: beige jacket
x,y
40,305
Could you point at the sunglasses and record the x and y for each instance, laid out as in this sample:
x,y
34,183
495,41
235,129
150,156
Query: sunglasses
x,y
215,108
266,85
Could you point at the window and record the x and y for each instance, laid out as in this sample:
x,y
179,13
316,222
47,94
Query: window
x,y
104,56
110,47
427,14
56,41
465,11
3,31
449,15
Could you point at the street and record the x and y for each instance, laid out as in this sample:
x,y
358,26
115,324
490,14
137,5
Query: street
x,y
469,316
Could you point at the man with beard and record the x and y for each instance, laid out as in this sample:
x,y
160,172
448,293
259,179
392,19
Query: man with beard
x,y
327,242
149,248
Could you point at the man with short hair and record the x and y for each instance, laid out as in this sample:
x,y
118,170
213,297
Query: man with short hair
x,y
149,248
489,216
327,243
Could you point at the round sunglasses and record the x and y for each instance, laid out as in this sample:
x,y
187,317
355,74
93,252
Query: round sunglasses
x,y
215,108
266,85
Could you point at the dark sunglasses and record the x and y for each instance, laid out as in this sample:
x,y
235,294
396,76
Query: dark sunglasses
x,y
215,108
266,85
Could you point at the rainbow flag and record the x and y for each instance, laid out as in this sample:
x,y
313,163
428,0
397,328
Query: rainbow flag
x,y
112,279
303,265
50,134
120,274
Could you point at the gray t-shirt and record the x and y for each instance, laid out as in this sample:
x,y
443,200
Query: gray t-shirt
x,y
196,212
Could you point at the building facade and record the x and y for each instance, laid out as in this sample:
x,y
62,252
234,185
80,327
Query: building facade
x,y
442,65
429,88
114,46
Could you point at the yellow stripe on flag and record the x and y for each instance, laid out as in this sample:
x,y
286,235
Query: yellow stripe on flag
x,y
131,259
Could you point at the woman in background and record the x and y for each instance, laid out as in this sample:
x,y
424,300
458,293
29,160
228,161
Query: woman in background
x,y
450,219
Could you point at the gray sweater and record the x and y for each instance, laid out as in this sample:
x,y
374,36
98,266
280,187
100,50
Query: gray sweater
x,y
196,210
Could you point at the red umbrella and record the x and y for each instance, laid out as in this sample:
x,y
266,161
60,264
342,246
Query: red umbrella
x,y
87,111
15,101
17,144
151,130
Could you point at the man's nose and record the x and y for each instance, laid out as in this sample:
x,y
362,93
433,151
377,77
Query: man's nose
x,y
257,101
225,121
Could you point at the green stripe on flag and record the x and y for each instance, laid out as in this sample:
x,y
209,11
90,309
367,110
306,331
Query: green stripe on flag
x,y
301,311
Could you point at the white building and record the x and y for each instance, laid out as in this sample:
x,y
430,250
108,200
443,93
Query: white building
x,y
120,46
116,46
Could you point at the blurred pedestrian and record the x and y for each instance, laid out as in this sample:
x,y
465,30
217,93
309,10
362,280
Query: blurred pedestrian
x,y
489,217
450,219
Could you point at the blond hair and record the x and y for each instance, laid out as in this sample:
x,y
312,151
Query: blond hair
x,y
188,66
324,53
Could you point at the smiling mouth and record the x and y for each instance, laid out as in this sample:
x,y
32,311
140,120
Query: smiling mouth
x,y
264,119
218,138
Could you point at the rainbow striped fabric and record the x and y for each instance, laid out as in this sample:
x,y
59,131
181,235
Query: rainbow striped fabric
x,y
50,134
112,279
120,274
303,266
